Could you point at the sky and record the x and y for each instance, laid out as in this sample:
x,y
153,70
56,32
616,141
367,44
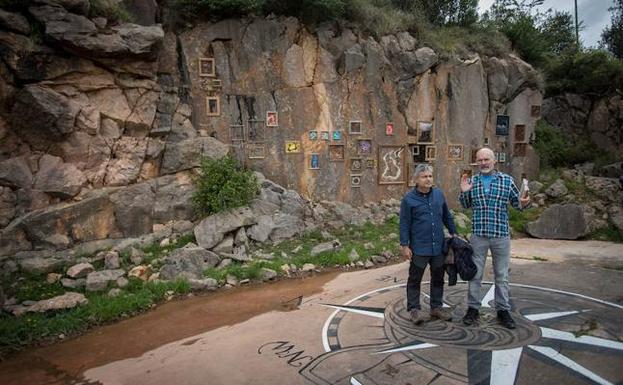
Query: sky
x,y
593,13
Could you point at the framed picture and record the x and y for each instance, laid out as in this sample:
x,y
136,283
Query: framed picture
x,y
336,135
313,135
417,153
207,67
391,165
354,127
256,151
255,130
501,124
355,180
213,105
236,132
535,111
211,84
431,153
336,152
520,132
455,152
486,141
364,147
272,119
356,164
369,163
293,147
324,135
502,157
314,162
389,128
425,134
520,149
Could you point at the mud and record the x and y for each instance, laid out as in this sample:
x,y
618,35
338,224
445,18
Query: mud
x,y
63,363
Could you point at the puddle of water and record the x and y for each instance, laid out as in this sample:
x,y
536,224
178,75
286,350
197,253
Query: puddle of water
x,y
64,362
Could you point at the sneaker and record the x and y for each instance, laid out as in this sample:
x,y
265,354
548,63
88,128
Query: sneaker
x,y
505,319
417,317
471,317
444,314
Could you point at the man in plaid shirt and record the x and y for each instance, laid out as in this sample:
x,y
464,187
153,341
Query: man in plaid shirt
x,y
488,195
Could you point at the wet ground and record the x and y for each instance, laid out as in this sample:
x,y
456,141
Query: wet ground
x,y
352,328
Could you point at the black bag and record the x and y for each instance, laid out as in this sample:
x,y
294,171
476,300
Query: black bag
x,y
463,253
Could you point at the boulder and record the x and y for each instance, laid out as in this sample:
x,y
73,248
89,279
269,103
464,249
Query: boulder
x,y
74,283
189,262
15,173
65,301
615,212
134,207
203,284
62,180
211,230
267,274
225,246
560,222
261,231
557,189
80,7
606,188
173,198
80,270
324,247
141,272
286,226
40,264
14,22
98,280
8,203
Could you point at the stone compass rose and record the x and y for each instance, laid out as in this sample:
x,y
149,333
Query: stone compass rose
x,y
561,338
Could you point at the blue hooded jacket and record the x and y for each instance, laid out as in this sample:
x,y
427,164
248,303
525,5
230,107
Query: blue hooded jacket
x,y
422,218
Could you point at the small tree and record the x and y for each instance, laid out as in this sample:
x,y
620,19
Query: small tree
x,y
222,185
612,37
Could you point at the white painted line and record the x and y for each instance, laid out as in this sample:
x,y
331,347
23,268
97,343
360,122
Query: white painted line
x,y
358,311
353,381
586,340
544,316
488,297
504,365
563,360
424,345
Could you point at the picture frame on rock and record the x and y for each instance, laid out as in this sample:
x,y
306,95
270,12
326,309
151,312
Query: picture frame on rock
x,y
207,67
391,165
389,128
425,132
356,164
431,153
336,152
324,135
236,132
256,150
313,135
336,135
354,127
370,163
292,146
272,119
455,152
355,180
502,123
417,152
520,133
213,105
255,130
364,147
502,157
314,161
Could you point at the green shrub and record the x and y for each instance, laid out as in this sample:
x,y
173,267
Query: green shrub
x,y
112,10
380,18
215,9
309,11
222,185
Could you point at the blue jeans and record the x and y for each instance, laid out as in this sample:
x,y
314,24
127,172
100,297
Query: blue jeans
x,y
500,253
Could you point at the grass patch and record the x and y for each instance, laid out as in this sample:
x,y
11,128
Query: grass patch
x,y
609,234
351,237
33,287
19,332
519,219
535,258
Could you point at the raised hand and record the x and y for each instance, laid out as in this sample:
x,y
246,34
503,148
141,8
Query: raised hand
x,y
466,185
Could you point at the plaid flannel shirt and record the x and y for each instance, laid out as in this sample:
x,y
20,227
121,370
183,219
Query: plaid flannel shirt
x,y
490,211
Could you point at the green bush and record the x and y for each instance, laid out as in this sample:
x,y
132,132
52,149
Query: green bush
x,y
222,185
216,9
112,10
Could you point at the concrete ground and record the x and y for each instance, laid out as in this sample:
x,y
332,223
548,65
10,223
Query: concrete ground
x,y
352,328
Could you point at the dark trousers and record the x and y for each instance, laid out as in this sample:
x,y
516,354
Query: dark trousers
x,y
415,279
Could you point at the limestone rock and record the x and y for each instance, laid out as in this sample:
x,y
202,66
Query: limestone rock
x,y
134,209
607,188
560,222
15,173
111,260
65,301
129,153
73,283
267,274
189,262
8,203
59,179
557,189
80,7
616,216
40,265
173,198
225,246
210,231
187,153
286,226
14,22
308,267
141,272
203,284
80,270
324,247
98,280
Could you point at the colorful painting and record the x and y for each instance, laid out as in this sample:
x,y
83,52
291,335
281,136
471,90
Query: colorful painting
x,y
272,119
313,135
364,147
314,162
337,135
356,164
324,135
391,165
370,163
293,147
520,133
389,128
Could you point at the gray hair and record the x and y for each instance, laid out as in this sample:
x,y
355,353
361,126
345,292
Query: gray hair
x,y
422,167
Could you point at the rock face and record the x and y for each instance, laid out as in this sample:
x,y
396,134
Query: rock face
x,y
560,222
101,128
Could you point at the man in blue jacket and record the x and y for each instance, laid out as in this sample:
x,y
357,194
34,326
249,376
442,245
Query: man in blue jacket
x,y
423,214
488,195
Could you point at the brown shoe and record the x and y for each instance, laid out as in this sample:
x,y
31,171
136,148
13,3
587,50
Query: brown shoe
x,y
444,314
417,316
